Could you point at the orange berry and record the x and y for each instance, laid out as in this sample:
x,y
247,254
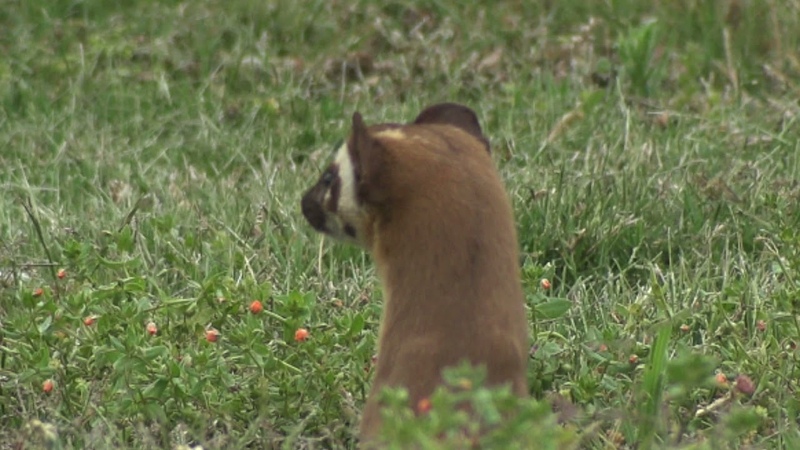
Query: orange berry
x,y
212,335
152,329
38,292
47,386
61,274
301,335
633,359
546,284
89,320
424,405
256,307
721,379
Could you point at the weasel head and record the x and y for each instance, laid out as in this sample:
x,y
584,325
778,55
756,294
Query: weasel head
x,y
357,184
338,205
330,205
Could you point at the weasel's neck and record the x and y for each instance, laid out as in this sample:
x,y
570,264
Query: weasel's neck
x,y
428,277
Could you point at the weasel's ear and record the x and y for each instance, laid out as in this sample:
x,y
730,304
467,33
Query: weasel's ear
x,y
369,163
456,115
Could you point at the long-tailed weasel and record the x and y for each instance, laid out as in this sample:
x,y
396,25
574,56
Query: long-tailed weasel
x,y
426,200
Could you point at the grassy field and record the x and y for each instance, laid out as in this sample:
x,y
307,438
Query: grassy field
x,y
153,154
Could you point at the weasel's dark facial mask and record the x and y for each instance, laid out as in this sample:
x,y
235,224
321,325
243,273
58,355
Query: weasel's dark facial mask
x,y
330,206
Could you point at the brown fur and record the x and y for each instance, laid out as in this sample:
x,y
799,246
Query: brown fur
x,y
439,224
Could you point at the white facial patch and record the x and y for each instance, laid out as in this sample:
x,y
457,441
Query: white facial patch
x,y
346,223
347,179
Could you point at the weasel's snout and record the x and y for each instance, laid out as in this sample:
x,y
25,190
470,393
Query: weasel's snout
x,y
312,210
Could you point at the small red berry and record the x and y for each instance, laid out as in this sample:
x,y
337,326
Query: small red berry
x,y
212,335
38,292
47,386
301,335
152,329
89,320
61,274
634,359
546,284
603,348
721,379
256,307
424,405
745,385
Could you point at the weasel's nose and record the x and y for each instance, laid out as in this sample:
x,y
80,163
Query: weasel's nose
x,y
312,210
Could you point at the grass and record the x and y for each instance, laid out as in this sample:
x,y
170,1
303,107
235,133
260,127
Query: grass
x,y
156,153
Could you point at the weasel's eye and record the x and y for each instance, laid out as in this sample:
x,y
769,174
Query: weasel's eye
x,y
327,178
